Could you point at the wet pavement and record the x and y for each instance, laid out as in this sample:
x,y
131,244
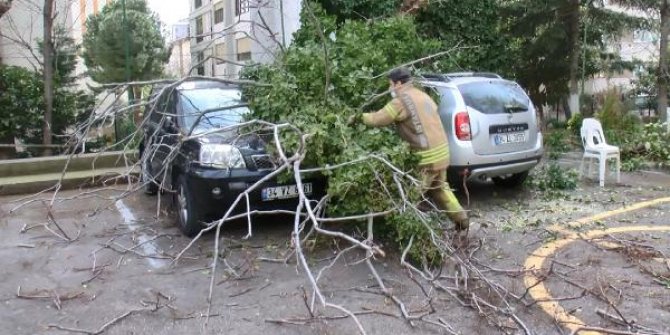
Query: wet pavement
x,y
121,261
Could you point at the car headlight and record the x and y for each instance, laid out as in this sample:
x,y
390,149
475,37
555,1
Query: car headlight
x,y
221,156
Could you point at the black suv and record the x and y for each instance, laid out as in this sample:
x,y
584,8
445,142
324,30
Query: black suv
x,y
207,173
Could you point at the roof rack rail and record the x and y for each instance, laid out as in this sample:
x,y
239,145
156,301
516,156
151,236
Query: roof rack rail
x,y
446,77
435,76
474,74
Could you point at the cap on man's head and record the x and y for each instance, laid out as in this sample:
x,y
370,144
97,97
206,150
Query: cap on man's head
x,y
400,74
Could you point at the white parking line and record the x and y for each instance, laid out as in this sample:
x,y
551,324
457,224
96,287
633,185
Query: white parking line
x,y
148,247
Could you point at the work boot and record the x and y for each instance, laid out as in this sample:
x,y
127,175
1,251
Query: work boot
x,y
462,224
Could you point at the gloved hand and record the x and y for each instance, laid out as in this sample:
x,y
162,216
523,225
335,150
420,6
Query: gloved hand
x,y
354,119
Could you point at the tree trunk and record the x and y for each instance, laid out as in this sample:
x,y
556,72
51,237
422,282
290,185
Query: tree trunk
x,y
48,74
137,113
663,63
575,48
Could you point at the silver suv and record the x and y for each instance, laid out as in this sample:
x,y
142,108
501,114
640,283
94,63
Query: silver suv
x,y
491,125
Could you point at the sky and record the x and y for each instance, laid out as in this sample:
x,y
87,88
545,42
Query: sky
x,y
170,11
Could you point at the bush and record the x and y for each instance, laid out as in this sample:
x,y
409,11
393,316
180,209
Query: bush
x,y
653,143
126,133
22,101
638,142
553,178
623,128
557,142
575,124
556,124
632,164
620,126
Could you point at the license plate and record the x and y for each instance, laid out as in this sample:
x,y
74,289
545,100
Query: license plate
x,y
284,192
510,138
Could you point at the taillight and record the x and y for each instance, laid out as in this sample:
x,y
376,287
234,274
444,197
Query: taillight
x,y
462,126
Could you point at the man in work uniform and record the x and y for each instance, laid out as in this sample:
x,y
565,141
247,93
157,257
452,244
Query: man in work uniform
x,y
418,123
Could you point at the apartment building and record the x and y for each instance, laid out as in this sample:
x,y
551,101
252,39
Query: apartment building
x,y
180,41
638,45
22,27
226,34
83,10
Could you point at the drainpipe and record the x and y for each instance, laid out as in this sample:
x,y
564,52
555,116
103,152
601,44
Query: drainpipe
x,y
211,38
283,27
229,19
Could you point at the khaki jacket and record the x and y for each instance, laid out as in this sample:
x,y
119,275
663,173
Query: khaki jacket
x,y
418,123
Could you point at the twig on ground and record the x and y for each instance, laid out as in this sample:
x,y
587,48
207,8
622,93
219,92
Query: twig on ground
x,y
102,328
605,331
243,292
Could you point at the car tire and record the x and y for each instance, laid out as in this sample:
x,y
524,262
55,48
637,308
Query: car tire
x,y
187,220
150,187
511,181
455,180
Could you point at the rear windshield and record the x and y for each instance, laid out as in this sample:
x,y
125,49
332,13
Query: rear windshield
x,y
495,97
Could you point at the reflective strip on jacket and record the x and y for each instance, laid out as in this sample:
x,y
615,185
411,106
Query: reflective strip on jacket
x,y
418,123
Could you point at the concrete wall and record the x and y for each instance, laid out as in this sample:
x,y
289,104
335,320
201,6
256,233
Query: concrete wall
x,y
263,51
180,59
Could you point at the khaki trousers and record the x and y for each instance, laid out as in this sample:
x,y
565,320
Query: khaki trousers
x,y
435,187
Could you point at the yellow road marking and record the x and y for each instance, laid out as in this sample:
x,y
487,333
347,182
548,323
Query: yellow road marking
x,y
607,214
539,291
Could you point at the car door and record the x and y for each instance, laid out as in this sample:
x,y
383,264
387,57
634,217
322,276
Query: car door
x,y
167,136
153,113
159,129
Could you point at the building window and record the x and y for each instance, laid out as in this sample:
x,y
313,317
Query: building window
x,y
244,49
198,4
199,29
220,53
241,7
243,56
644,36
218,14
200,59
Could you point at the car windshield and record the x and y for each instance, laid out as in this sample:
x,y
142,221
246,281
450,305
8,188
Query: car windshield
x,y
195,102
495,97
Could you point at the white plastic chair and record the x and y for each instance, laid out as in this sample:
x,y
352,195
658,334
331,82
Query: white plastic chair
x,y
596,148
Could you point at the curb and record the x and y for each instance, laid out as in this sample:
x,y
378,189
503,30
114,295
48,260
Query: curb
x,y
32,175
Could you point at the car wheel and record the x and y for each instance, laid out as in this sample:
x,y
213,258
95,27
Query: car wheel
x,y
510,181
187,220
455,180
150,186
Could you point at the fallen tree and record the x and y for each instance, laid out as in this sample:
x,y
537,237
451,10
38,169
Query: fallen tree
x,y
303,100
329,73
